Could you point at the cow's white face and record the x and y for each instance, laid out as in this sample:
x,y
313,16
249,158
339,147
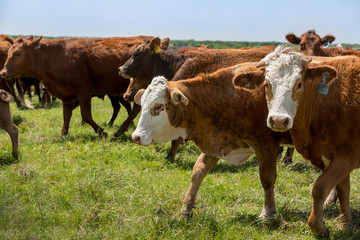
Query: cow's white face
x,y
154,124
283,85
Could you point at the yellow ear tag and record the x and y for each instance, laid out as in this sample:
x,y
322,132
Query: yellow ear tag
x,y
157,48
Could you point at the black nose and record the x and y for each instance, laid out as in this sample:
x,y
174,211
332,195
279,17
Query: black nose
x,y
136,139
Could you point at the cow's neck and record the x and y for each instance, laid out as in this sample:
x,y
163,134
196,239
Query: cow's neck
x,y
170,63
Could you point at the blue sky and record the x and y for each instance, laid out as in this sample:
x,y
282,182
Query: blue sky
x,y
228,20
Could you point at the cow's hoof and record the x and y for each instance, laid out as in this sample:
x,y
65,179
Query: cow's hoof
x,y
320,230
185,215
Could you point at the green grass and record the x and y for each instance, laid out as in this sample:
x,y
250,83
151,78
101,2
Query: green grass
x,y
84,187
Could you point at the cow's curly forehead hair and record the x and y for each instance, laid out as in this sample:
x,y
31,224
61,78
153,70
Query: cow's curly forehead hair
x,y
155,91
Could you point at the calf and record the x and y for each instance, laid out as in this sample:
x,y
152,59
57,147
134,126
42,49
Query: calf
x,y
319,104
74,68
223,121
6,122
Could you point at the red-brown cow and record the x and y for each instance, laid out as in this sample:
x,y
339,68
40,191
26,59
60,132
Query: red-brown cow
x,y
74,68
223,121
151,59
319,104
313,45
6,121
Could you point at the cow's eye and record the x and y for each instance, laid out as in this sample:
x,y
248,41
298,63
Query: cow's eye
x,y
158,107
17,54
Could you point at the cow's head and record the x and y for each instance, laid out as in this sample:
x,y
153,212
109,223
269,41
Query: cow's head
x,y
162,113
141,65
287,78
310,42
20,57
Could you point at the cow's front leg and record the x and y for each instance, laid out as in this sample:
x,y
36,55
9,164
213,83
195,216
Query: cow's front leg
x,y
202,166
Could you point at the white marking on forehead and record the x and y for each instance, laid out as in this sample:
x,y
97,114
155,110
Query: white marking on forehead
x,y
155,92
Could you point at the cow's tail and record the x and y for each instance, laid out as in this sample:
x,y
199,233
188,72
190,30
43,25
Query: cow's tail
x,y
5,96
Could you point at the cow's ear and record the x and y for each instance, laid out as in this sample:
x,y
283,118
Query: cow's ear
x,y
177,96
30,38
326,73
155,45
327,39
35,43
165,44
138,95
249,80
19,39
292,38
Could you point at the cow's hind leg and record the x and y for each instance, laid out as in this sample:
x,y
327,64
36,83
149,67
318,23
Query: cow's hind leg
x,y
202,166
85,108
116,108
175,144
343,190
9,127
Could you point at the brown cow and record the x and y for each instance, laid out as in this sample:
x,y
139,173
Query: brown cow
x,y
223,121
150,60
6,121
319,104
313,45
74,68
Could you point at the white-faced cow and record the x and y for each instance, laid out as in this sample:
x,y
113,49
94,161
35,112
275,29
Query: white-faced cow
x,y
223,121
319,104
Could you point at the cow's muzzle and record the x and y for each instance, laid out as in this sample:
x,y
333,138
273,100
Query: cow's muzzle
x,y
279,123
3,74
122,71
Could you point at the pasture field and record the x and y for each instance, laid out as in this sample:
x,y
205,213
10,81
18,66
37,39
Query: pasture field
x,y
84,187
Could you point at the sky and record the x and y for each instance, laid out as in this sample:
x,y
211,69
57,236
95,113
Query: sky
x,y
225,20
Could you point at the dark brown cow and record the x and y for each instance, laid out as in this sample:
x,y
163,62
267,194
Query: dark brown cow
x,y
319,104
151,59
312,44
74,68
223,121
6,121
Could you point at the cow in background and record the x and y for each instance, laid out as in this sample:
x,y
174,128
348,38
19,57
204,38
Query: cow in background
x,y
311,44
318,103
6,121
223,121
152,59
75,68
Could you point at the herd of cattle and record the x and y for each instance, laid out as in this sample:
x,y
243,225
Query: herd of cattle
x,y
231,103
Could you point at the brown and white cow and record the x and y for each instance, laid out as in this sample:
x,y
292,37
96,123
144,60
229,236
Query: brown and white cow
x,y
312,44
319,104
74,68
6,121
223,121
151,59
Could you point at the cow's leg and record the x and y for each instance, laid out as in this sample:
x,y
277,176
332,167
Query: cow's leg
x,y
343,190
85,108
116,108
333,175
202,166
67,113
126,104
135,111
267,169
175,144
37,90
331,199
9,127
288,156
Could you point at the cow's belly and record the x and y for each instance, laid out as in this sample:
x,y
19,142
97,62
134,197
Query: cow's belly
x,y
238,156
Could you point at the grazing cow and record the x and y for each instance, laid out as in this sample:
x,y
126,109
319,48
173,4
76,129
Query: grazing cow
x,y
223,121
6,122
319,104
74,68
150,60
313,45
